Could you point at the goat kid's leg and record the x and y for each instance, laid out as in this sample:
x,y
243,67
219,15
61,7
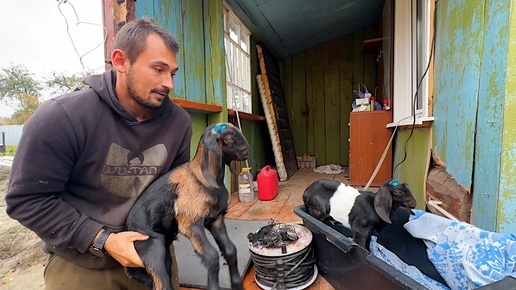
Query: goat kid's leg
x,y
153,253
209,255
361,235
140,275
228,249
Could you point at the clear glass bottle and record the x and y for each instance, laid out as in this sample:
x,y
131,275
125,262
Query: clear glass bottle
x,y
245,185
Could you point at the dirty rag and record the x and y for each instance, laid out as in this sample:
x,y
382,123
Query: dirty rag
x,y
329,169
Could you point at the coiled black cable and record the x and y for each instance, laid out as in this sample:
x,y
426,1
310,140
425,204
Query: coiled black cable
x,y
298,269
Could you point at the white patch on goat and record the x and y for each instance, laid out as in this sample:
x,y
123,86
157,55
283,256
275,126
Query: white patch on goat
x,y
341,203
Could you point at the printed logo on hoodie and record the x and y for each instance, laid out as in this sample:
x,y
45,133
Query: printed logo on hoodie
x,y
127,173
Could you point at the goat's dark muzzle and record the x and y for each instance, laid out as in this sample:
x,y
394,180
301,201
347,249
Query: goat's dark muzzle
x,y
410,205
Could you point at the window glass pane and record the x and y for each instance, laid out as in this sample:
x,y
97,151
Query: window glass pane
x,y
239,68
246,101
234,64
244,40
238,64
230,96
233,30
247,79
236,100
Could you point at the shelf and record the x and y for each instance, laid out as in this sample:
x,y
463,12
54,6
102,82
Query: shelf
x,y
244,115
196,107
372,46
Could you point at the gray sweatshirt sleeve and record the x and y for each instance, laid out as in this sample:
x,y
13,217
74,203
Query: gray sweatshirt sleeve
x,y
42,164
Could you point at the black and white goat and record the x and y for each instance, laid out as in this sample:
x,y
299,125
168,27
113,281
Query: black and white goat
x,y
364,212
189,199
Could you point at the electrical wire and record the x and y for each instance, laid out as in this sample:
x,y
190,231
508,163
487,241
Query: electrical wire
x,y
416,94
298,268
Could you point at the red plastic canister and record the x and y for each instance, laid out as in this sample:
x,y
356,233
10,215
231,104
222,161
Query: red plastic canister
x,y
267,183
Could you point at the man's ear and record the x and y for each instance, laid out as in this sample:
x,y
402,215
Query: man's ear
x,y
119,59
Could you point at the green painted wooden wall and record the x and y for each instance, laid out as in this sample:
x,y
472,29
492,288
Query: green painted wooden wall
x,y
199,28
318,86
415,150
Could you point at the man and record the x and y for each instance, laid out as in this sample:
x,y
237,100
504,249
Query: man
x,y
85,157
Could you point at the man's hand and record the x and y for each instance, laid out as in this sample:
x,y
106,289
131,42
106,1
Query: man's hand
x,y
120,246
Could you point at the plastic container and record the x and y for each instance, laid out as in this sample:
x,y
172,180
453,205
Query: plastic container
x,y
386,106
267,183
371,103
245,185
346,265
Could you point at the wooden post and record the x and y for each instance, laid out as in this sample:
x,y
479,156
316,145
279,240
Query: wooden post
x,y
115,13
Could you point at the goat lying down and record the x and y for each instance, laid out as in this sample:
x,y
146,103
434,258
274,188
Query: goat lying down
x,y
188,199
364,212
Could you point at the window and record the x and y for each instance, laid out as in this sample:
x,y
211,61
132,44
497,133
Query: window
x,y
412,43
238,63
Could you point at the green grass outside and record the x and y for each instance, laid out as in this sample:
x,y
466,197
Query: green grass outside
x,y
9,151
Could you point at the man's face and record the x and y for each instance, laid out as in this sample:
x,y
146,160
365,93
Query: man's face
x,y
151,76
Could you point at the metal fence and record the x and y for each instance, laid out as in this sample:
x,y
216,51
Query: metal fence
x,y
12,134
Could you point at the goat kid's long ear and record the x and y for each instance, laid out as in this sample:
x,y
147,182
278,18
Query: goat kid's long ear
x,y
211,159
383,203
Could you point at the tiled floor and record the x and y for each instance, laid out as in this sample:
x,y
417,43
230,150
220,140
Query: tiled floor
x,y
281,209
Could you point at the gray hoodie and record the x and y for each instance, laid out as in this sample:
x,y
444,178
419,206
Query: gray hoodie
x,y
83,160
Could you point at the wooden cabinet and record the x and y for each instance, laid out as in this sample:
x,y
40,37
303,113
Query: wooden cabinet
x,y
368,139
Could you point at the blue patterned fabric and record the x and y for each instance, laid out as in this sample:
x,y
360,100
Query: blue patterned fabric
x,y
466,257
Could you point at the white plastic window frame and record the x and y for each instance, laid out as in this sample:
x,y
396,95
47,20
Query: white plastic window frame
x,y
237,39
412,39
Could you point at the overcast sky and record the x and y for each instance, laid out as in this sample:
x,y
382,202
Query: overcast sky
x,y
34,34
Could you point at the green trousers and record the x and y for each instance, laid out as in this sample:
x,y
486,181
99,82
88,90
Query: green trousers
x,y
63,275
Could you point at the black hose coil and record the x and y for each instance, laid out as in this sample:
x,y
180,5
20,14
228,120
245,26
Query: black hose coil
x,y
298,269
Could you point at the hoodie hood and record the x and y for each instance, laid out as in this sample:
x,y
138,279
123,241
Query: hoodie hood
x,y
104,86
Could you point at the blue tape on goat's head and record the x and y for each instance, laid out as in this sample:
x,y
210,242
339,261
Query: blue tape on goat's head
x,y
394,183
219,128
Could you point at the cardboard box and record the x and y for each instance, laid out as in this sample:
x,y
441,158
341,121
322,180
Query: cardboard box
x,y
306,162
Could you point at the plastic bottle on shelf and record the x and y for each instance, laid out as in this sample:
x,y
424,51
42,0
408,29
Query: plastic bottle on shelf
x,y
245,185
386,106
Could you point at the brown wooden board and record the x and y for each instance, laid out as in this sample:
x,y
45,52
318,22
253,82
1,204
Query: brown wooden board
x,y
274,91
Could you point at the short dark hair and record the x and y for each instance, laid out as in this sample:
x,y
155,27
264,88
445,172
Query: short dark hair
x,y
132,37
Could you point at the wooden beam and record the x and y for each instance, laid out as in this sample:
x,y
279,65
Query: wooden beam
x,y
372,46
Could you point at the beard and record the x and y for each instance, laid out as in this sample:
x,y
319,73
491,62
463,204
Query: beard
x,y
146,103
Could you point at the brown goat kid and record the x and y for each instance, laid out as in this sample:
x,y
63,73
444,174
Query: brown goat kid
x,y
189,199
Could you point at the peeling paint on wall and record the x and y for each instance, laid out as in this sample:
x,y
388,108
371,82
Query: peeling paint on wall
x,y
456,75
470,65
507,200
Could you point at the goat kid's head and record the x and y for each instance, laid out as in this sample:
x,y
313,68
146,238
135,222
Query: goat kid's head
x,y
391,195
222,144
